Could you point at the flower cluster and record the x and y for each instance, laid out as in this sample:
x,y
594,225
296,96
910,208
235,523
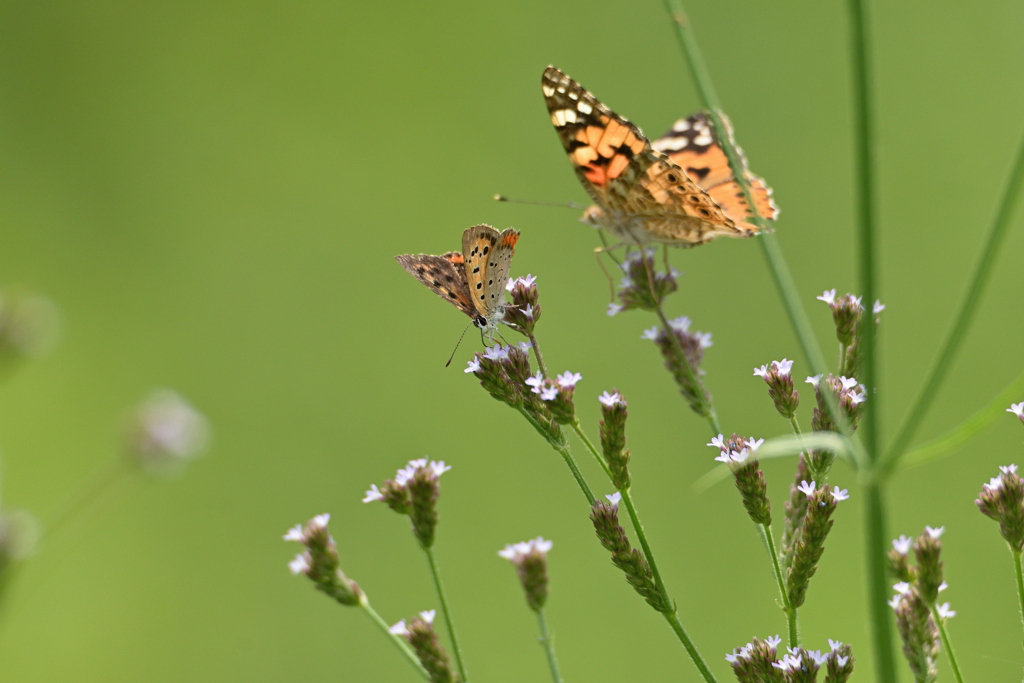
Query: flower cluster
x,y
642,286
692,344
613,437
808,542
319,561
1002,499
631,561
915,601
741,458
779,378
847,314
524,313
758,661
165,432
425,643
531,562
1017,409
414,492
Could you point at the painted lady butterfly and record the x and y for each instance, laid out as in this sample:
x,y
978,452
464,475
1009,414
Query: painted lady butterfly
x,y
679,190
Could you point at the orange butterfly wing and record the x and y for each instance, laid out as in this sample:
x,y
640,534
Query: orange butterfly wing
x,y
692,145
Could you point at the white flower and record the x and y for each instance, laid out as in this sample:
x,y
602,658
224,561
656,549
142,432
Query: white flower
x,y
614,309
902,544
944,611
528,311
1008,469
739,456
994,484
705,340
373,494
609,400
320,521
773,641
528,281
878,307
569,379
828,296
783,366
295,534
525,346
858,397
614,499
935,533
818,658
942,586
428,616
516,552
651,334
626,282
549,393
724,456
300,565
834,645
848,383
166,432
399,629
439,468
894,602
496,352
838,495
682,324
472,366
813,380
535,381
761,371
753,444
733,657
902,587
841,661
718,442
806,489
510,284
1017,409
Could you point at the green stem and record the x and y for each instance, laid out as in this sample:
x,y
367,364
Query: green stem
x,y
399,641
563,450
794,631
536,352
677,626
946,645
590,446
842,357
549,647
875,548
1020,580
443,599
979,281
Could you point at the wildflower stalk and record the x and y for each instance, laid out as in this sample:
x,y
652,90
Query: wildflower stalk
x,y
399,642
536,352
875,542
549,647
787,607
1020,580
979,281
946,645
671,617
563,450
443,599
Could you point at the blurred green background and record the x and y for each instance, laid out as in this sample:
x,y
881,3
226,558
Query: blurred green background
x,y
212,193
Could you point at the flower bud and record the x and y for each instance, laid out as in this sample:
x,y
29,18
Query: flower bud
x,y
320,561
693,345
524,313
414,492
1002,499
810,544
779,378
631,561
531,562
425,643
613,437
929,567
636,285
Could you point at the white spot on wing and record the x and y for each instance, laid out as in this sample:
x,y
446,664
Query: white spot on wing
x,y
548,90
704,139
573,96
682,125
569,115
561,89
558,118
584,108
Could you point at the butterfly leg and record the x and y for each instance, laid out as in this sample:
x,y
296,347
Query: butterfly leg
x,y
606,249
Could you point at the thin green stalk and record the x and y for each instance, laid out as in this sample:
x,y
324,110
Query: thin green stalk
x,y
979,281
794,630
563,450
842,356
590,446
875,542
684,638
108,475
443,599
1020,581
536,352
399,641
946,645
549,647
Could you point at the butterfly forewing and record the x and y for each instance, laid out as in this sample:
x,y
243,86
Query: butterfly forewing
x,y
444,275
488,257
692,144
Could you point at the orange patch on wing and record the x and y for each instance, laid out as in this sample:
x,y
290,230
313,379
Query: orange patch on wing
x,y
714,160
454,257
510,239
614,136
618,164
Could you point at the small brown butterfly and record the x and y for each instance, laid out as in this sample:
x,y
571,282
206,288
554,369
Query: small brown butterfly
x,y
473,281
679,191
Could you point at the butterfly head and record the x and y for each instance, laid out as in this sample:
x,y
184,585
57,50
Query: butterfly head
x,y
594,216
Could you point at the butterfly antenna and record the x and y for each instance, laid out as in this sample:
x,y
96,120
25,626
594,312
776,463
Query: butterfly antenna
x,y
457,345
564,205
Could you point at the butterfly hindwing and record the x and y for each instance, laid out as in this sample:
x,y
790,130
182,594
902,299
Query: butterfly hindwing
x,y
692,144
444,275
488,257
